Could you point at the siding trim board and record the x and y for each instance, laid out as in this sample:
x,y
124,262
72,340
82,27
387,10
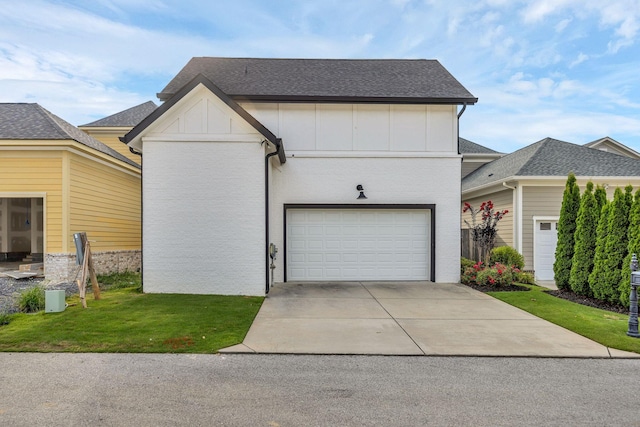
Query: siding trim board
x,y
430,207
74,149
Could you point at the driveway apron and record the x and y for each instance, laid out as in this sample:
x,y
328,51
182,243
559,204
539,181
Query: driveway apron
x,y
404,318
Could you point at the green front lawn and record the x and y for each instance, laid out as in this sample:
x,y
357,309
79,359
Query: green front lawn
x,y
604,327
125,320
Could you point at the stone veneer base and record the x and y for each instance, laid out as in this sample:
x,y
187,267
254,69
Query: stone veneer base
x,y
63,267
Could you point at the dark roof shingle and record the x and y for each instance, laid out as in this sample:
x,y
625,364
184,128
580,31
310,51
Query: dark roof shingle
x,y
470,147
21,121
551,157
127,118
326,80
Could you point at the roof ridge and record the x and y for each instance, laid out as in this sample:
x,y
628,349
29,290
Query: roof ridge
x,y
48,116
540,144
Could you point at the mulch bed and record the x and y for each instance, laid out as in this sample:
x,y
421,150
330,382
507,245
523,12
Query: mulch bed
x,y
570,296
591,302
489,288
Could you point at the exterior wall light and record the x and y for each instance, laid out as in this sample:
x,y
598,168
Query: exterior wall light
x,y
361,190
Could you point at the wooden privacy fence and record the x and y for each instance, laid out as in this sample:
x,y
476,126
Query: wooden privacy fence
x,y
467,247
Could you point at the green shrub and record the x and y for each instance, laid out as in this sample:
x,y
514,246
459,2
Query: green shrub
x,y
465,263
601,197
634,248
566,232
585,242
617,243
524,277
31,300
508,256
496,275
469,274
597,274
5,319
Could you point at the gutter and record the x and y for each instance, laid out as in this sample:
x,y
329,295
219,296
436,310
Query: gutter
x,y
266,208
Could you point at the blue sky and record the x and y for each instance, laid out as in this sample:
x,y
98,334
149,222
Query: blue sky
x,y
568,69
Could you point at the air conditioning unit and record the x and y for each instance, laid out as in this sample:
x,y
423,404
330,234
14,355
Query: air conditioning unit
x,y
54,301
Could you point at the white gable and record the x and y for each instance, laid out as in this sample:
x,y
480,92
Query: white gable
x,y
201,116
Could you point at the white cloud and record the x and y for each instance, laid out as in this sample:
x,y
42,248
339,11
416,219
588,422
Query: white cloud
x,y
563,24
579,60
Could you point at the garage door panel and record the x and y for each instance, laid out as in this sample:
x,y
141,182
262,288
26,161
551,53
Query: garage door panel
x,y
354,244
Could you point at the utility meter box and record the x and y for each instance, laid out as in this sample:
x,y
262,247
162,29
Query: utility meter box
x,y
54,301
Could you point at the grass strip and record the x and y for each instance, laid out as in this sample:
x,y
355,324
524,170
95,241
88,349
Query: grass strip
x,y
601,326
127,321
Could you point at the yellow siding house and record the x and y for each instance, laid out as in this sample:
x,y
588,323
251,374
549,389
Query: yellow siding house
x,y
108,130
56,180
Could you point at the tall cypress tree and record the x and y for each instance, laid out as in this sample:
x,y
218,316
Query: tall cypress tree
x,y
566,231
601,196
585,242
617,244
634,248
596,278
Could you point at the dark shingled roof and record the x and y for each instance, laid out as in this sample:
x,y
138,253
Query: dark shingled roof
x,y
127,118
550,157
326,80
470,147
32,122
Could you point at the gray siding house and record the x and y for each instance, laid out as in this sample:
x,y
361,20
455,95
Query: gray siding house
x,y
530,183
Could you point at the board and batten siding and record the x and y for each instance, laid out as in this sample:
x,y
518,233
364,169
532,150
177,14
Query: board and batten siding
x,y
36,172
501,200
543,201
360,127
105,203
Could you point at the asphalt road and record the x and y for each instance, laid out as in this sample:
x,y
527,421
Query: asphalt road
x,y
276,390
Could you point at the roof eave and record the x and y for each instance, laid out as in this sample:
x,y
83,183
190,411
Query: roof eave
x,y
163,96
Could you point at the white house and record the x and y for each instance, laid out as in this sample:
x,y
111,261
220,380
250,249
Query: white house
x,y
368,187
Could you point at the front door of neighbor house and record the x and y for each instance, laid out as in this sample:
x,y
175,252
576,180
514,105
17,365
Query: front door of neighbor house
x,y
546,239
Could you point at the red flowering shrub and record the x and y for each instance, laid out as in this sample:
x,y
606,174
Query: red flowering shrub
x,y
484,231
470,273
496,275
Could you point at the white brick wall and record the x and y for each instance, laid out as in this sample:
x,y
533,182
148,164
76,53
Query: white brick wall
x,y
203,217
386,181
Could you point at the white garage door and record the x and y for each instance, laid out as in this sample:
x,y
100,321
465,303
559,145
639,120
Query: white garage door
x,y
358,244
546,239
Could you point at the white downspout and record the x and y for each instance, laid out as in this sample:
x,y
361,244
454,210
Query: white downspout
x,y
516,219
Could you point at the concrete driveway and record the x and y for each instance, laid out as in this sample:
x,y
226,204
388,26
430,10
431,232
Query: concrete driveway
x,y
405,318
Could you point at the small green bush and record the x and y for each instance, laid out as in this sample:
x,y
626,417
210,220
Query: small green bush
x,y
524,277
469,274
31,300
508,256
5,319
496,275
465,263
